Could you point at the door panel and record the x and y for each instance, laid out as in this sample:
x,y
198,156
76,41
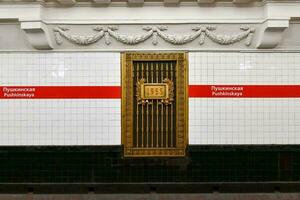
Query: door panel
x,y
154,104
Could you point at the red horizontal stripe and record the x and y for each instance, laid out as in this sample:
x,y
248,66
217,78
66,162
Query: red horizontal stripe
x,y
114,92
61,92
244,91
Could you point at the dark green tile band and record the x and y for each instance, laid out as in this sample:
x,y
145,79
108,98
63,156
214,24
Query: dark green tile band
x,y
104,164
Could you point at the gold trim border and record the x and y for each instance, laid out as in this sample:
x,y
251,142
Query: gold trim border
x,y
127,59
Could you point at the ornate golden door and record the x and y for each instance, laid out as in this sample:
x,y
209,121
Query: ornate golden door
x,y
154,104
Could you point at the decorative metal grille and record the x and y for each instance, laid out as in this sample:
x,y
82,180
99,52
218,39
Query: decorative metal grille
x,y
154,104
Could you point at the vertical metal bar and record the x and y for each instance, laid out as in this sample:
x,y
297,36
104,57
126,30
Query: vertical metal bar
x,y
152,115
156,66
137,108
171,120
162,110
147,112
142,110
167,110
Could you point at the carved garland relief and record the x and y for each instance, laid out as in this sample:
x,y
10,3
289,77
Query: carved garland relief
x,y
200,31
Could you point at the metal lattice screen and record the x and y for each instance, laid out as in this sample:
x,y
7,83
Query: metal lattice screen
x,y
154,104
154,121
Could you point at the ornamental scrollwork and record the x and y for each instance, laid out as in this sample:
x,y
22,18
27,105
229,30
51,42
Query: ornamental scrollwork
x,y
139,86
200,31
170,98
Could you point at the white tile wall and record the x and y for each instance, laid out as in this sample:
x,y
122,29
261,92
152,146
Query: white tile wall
x,y
244,68
82,69
244,120
64,121
60,122
97,121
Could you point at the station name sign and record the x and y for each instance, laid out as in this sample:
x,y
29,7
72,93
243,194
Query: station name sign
x,y
227,91
18,92
244,91
162,91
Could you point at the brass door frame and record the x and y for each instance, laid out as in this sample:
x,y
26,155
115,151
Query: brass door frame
x,y
127,60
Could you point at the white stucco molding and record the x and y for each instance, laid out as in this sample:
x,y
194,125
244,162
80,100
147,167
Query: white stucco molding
x,y
156,31
66,2
135,2
38,35
271,33
171,2
205,1
241,1
102,2
269,18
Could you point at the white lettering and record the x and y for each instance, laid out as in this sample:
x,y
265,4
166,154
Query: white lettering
x,y
227,91
15,92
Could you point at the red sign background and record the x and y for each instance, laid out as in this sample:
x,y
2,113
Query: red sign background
x,y
114,92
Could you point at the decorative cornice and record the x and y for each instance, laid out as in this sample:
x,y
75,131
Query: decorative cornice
x,y
200,31
66,2
38,35
271,33
70,3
